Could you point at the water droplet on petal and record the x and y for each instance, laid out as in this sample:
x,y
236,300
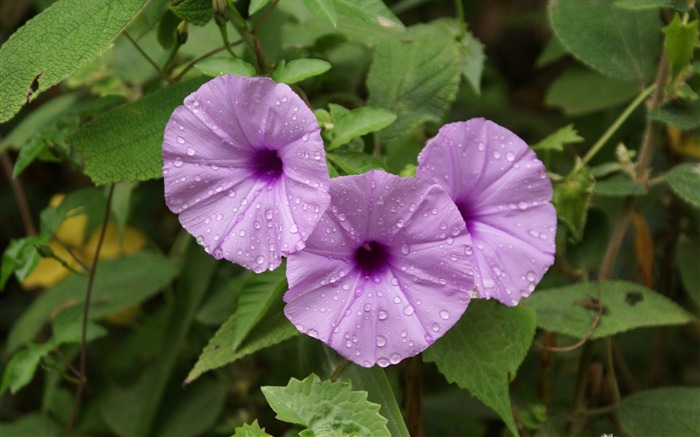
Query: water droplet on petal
x,y
444,314
381,341
382,315
178,162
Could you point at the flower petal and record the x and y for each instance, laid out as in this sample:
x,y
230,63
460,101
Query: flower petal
x,y
402,306
504,195
244,167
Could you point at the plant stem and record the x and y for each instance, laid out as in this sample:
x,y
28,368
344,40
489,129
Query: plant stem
x,y
250,39
17,189
614,127
86,310
192,63
264,17
163,75
413,385
224,37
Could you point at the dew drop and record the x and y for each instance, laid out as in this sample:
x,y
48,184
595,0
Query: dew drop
x,y
395,358
444,314
190,151
381,315
405,249
408,310
180,140
381,341
178,162
510,156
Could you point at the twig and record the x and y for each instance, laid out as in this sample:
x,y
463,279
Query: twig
x,y
264,17
204,56
163,75
86,310
338,370
17,189
413,385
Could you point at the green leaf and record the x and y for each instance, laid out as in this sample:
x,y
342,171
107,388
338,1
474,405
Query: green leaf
x,y
36,121
417,78
684,114
679,42
323,9
483,351
197,12
551,53
373,380
359,122
28,154
20,257
684,179
119,284
618,186
20,370
68,327
32,424
255,299
579,91
220,66
250,430
356,162
369,11
679,5
272,329
55,44
256,5
124,144
326,408
134,411
627,306
672,411
473,59
196,411
687,256
556,141
617,42
299,69
571,198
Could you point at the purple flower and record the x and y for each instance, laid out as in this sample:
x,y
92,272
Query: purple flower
x,y
244,167
386,272
504,195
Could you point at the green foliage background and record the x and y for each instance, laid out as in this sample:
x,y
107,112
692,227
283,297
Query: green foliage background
x,y
178,344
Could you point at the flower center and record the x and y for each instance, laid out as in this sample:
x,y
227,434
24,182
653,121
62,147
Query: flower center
x,y
371,258
467,215
267,165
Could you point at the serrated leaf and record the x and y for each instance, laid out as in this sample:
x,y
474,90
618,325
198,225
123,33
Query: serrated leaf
x,y
579,91
571,198
556,141
679,5
197,12
299,69
671,411
272,329
250,430
55,44
484,350
618,186
118,284
219,66
627,306
417,78
679,42
255,299
359,122
21,368
323,9
375,382
684,114
355,162
124,144
617,42
687,256
326,408
684,179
